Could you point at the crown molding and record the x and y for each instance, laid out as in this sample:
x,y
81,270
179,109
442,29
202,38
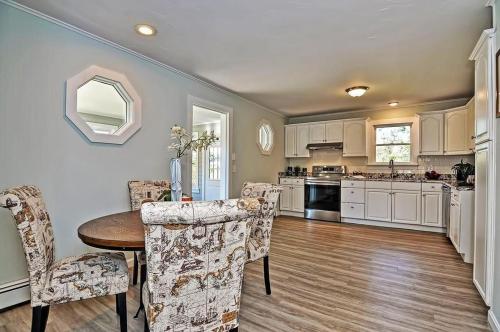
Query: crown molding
x,y
488,33
465,100
141,56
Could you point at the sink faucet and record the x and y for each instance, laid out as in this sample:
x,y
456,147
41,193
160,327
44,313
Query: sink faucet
x,y
391,166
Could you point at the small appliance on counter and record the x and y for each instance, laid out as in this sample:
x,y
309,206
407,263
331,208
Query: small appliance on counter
x,y
289,171
296,171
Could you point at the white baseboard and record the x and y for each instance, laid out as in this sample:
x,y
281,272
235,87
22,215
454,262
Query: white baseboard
x,y
14,292
495,325
393,225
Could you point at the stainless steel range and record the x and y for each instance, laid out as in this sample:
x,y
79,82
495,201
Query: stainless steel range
x,y
322,193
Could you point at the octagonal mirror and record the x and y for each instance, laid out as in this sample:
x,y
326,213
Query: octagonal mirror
x,y
265,137
103,105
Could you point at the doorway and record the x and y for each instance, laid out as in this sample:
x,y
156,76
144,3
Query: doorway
x,y
210,167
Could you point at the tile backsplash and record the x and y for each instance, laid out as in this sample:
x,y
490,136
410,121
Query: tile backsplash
x,y
441,164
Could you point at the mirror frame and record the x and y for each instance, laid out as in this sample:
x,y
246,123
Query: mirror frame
x,y
124,88
262,123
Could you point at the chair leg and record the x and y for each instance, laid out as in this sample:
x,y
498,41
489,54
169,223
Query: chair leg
x,y
266,275
36,319
136,270
142,281
121,306
146,326
45,317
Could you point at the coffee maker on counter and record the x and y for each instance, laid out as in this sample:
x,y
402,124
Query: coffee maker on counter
x,y
296,171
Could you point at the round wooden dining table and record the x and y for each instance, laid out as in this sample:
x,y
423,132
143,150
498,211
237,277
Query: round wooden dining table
x,y
120,231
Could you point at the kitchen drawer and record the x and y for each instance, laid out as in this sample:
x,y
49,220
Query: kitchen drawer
x,y
352,210
353,195
378,185
292,181
410,186
432,186
352,184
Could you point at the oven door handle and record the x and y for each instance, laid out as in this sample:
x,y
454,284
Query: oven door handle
x,y
323,183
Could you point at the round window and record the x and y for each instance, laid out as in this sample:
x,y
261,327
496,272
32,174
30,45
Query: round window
x,y
265,137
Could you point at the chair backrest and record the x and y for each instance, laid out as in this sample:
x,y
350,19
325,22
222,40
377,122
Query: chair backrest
x,y
33,223
146,191
196,252
260,235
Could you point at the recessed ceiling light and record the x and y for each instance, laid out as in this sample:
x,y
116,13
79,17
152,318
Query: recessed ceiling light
x,y
393,103
356,91
145,29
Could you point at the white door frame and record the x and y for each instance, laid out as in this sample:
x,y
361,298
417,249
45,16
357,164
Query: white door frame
x,y
226,158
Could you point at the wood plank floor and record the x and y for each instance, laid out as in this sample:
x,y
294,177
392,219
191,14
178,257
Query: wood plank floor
x,y
326,277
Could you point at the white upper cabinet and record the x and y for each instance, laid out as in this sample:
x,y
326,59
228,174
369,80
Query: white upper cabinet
x,y
431,134
317,132
334,131
326,132
471,126
354,138
296,140
290,141
456,140
483,55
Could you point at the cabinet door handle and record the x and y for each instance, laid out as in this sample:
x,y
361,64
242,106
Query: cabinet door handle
x,y
352,192
473,137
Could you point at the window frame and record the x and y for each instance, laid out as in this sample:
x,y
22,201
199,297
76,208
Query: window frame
x,y
271,137
414,124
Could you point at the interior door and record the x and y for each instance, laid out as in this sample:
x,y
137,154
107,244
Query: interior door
x,y
213,173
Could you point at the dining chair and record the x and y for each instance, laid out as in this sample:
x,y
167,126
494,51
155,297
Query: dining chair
x,y
260,235
69,279
196,253
142,192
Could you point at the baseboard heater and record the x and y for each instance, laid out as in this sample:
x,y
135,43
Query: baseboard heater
x,y
14,292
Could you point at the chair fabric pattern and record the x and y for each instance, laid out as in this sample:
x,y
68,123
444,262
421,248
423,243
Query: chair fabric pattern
x,y
260,235
143,192
70,279
196,252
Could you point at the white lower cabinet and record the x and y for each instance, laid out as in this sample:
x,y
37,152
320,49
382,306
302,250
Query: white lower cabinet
x,y
455,224
286,198
432,208
292,196
406,207
378,204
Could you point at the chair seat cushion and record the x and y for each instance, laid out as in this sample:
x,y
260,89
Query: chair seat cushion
x,y
86,276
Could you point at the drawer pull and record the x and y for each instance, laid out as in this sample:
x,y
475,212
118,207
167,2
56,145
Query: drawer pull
x,y
352,192
352,207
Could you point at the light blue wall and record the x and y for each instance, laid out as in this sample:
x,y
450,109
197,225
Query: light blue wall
x,y
81,180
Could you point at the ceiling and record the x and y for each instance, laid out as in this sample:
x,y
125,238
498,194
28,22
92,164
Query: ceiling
x,y
101,99
297,56
205,116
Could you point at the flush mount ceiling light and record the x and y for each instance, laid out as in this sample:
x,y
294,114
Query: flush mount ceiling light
x,y
393,103
356,91
145,29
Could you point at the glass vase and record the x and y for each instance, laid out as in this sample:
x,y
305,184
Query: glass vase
x,y
176,178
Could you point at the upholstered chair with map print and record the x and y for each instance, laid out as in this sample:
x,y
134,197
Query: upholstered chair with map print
x,y
143,192
260,235
196,253
69,279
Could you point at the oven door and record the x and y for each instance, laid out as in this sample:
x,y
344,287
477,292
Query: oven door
x,y
322,200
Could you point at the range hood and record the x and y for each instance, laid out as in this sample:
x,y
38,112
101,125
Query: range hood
x,y
325,146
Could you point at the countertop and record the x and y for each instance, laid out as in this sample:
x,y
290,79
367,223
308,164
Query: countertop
x,y
448,179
